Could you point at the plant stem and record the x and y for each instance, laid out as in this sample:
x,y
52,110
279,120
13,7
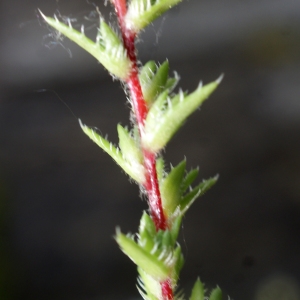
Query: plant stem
x,y
140,110
153,192
166,290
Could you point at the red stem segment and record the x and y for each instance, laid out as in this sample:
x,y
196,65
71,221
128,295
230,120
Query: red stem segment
x,y
166,290
140,110
153,191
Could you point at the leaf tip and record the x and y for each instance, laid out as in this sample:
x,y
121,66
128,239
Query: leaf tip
x,y
219,80
43,16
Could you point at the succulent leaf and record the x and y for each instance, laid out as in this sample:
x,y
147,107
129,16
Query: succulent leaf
x,y
197,291
143,12
108,49
132,168
162,123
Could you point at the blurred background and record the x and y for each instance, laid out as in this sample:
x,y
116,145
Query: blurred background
x,y
61,197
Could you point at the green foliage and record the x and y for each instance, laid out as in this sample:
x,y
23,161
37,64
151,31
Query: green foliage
x,y
216,294
173,186
142,12
168,113
155,251
155,80
129,159
198,291
108,49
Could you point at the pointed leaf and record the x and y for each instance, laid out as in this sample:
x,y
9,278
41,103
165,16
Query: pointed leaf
x,y
160,164
175,228
146,241
147,72
161,125
172,82
128,146
133,170
197,291
170,188
152,88
143,12
198,191
142,258
179,262
156,113
109,51
146,223
147,232
150,285
189,179
216,294
107,36
167,240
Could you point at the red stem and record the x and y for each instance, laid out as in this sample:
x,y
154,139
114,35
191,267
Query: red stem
x,y
140,110
166,290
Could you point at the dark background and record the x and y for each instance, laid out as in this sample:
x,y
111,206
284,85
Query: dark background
x,y
61,197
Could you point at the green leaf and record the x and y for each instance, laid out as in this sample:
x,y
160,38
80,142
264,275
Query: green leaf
x,y
154,80
152,88
172,82
107,37
146,240
142,12
160,164
150,287
171,188
197,291
130,150
131,168
176,223
189,179
146,223
147,232
142,258
167,239
147,72
162,122
216,294
157,109
108,49
179,262
187,200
